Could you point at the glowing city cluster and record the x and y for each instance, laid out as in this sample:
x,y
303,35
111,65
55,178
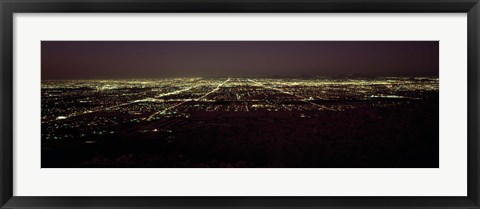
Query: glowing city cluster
x,y
81,108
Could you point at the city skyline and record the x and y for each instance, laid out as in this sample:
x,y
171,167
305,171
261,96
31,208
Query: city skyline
x,y
241,104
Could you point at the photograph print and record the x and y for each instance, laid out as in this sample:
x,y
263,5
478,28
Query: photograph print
x,y
240,104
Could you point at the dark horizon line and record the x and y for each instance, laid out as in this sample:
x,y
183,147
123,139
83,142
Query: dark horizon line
x,y
279,77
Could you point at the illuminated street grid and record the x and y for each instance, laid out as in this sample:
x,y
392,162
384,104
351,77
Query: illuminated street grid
x,y
82,108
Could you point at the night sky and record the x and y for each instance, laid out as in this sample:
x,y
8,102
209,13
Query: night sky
x,y
156,59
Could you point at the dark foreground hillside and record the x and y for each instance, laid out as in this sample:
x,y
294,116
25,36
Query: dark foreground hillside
x,y
401,135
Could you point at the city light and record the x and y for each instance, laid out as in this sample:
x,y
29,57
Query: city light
x,y
82,108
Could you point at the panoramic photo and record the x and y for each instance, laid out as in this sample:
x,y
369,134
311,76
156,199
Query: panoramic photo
x,y
240,104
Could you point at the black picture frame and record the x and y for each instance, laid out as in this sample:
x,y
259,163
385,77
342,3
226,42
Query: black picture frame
x,y
9,7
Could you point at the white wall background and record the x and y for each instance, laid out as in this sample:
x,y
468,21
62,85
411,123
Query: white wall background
x,y
448,180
